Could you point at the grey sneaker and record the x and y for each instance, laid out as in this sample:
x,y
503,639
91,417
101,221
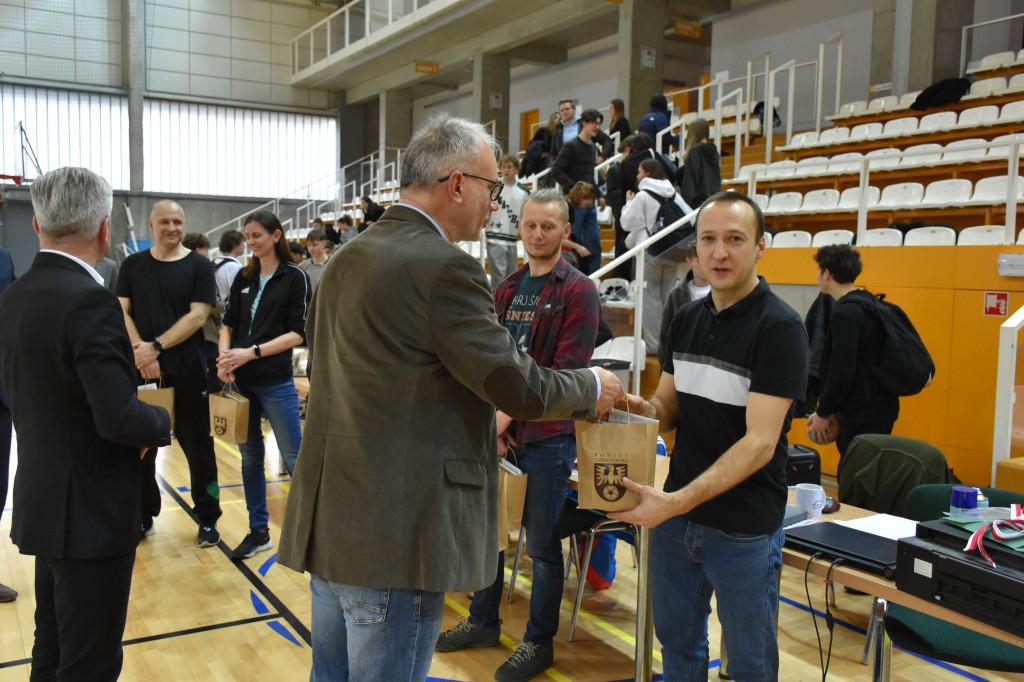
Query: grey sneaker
x,y
468,634
529,660
257,540
208,536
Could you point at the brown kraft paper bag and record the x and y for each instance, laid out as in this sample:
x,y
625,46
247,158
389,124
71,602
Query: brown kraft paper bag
x,y
511,500
608,451
158,395
229,417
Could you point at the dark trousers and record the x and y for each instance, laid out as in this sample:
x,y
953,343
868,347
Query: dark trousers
x,y
212,353
850,429
192,430
5,449
81,607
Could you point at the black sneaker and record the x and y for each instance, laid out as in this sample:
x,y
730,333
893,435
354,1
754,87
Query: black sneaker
x,y
208,536
468,634
529,660
258,540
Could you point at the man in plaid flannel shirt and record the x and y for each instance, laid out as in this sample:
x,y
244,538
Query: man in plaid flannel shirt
x,y
552,311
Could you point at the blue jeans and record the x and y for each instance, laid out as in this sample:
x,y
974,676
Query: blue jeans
x,y
280,403
365,633
586,232
689,562
548,463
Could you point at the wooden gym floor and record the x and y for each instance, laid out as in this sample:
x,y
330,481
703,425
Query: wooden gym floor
x,y
196,615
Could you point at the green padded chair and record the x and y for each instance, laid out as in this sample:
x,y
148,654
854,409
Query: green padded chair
x,y
928,636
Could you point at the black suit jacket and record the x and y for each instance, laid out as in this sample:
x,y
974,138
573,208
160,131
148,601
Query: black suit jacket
x,y
66,368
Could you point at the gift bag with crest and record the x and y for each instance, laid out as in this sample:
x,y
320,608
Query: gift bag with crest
x,y
159,395
607,452
229,416
511,500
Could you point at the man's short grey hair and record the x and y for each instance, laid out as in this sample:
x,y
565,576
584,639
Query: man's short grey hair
x,y
550,196
71,202
442,145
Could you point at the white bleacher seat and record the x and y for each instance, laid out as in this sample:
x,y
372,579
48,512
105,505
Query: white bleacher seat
x,y
899,126
820,200
729,111
985,87
812,165
908,99
994,61
831,135
761,200
940,120
848,162
728,130
830,237
866,131
612,283
605,215
784,202
901,195
803,139
1020,56
1020,238
883,236
1001,151
791,238
883,103
767,239
954,153
1016,83
708,115
930,236
754,124
852,109
779,169
993,190
689,117
949,192
982,234
883,158
978,116
1012,111
850,198
745,171
922,159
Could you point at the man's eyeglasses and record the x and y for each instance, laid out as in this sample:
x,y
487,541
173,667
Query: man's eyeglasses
x,y
496,185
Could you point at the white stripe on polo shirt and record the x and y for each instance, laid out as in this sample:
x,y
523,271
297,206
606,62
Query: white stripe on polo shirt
x,y
715,380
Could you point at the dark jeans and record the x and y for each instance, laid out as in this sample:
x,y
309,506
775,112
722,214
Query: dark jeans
x,y
850,429
548,464
5,449
192,430
81,608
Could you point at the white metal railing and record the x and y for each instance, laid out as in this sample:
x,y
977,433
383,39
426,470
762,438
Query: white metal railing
x,y
752,86
741,116
639,253
820,88
768,112
970,27
1013,144
1006,370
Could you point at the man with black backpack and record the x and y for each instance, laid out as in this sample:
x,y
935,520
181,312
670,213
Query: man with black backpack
x,y
656,206
851,385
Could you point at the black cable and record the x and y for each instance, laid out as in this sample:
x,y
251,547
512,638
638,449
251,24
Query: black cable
x,y
810,607
829,620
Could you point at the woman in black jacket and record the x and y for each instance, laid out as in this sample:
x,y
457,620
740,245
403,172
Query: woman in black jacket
x,y
372,211
264,319
700,176
618,123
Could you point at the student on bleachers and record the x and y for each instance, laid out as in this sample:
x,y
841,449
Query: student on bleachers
x,y
700,176
316,241
656,120
502,227
615,193
265,318
640,217
538,151
617,121
642,147
849,385
585,238
372,211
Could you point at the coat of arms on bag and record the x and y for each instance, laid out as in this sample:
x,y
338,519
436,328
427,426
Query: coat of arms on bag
x,y
220,424
608,481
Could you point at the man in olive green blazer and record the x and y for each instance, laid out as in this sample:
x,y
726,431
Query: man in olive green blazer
x,y
394,497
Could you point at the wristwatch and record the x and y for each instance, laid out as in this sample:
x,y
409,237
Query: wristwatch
x,y
157,346
256,350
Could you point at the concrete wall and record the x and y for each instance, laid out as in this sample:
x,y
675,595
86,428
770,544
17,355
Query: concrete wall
x,y
793,29
61,40
998,37
227,49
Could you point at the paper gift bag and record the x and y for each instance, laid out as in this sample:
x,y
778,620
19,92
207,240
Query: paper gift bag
x,y
608,451
511,499
229,417
157,394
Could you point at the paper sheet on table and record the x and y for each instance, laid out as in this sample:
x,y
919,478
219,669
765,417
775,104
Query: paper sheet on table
x,y
886,525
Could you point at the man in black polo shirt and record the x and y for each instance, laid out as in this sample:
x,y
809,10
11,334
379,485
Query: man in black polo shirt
x,y
737,360
167,293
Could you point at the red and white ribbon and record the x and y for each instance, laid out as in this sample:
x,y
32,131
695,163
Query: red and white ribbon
x,y
1001,530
